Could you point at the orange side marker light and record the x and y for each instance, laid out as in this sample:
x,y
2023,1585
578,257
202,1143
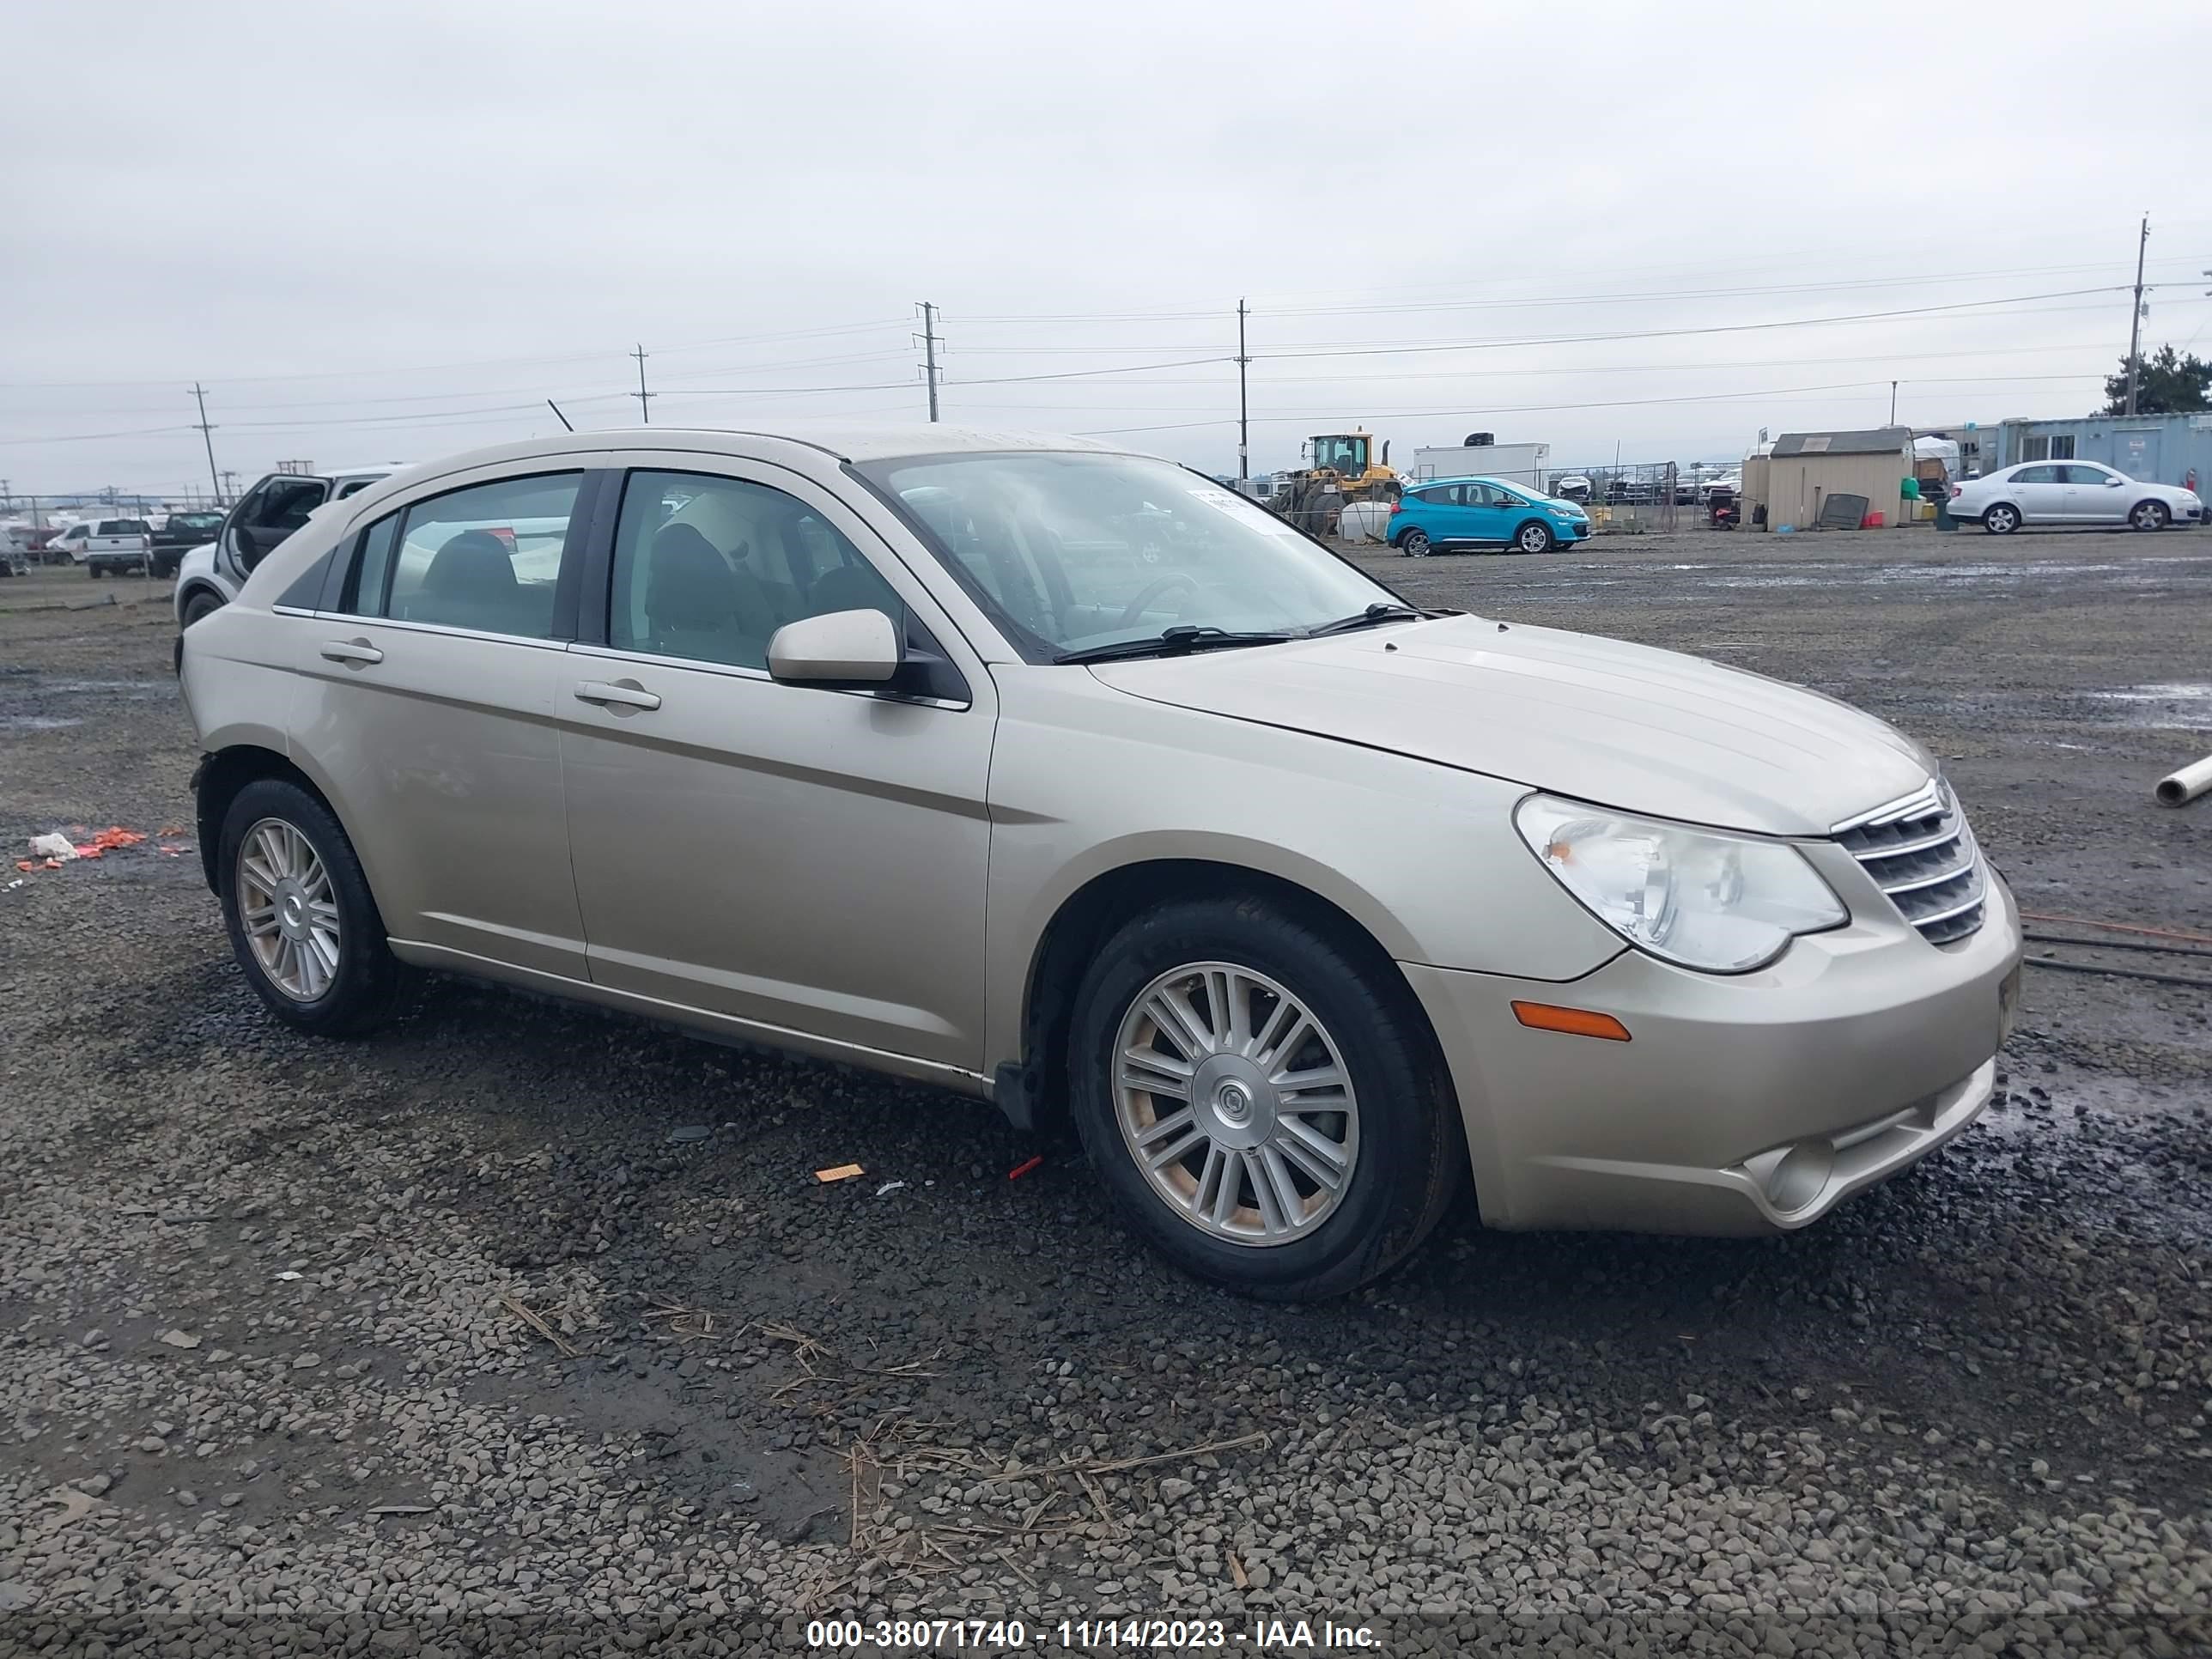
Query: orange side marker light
x,y
1575,1022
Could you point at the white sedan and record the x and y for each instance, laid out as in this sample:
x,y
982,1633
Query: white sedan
x,y
2060,493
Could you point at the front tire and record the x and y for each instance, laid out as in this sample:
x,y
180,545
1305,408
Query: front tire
x,y
2149,515
301,918
2002,520
1533,538
1414,544
1262,1098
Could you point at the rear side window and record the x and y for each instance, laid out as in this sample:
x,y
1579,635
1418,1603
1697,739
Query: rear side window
x,y
371,574
485,558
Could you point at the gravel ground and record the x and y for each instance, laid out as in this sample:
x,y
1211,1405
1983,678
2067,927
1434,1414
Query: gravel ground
x,y
519,1329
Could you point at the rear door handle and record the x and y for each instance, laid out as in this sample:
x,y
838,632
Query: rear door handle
x,y
626,694
352,651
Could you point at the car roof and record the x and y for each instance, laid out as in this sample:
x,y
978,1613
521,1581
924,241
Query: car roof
x,y
1481,477
844,440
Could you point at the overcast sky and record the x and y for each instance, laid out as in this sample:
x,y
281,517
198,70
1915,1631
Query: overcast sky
x,y
389,231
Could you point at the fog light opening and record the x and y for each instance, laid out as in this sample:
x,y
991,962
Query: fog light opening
x,y
1799,1176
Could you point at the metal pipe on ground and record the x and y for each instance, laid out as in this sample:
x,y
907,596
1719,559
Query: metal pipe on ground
x,y
2186,784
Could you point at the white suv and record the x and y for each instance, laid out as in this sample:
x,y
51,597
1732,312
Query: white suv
x,y
209,576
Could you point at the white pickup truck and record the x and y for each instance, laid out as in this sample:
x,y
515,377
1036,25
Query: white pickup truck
x,y
106,547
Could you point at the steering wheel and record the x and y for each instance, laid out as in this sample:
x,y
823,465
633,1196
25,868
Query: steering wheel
x,y
1143,602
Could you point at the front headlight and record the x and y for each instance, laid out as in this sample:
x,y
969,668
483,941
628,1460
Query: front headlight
x,y
1723,904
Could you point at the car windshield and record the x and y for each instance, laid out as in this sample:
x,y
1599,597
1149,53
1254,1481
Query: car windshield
x,y
1071,551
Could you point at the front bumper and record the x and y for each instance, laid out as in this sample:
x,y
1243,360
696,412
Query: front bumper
x,y
1742,1104
1572,530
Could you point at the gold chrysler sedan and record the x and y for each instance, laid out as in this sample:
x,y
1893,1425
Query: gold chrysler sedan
x,y
1065,777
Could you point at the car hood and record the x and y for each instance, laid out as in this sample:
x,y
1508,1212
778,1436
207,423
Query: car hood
x,y
1624,726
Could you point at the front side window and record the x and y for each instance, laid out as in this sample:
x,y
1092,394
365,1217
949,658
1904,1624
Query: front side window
x,y
285,503
707,568
1071,551
485,558
2078,474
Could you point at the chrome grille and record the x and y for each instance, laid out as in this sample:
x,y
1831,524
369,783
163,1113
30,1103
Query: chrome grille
x,y
1920,852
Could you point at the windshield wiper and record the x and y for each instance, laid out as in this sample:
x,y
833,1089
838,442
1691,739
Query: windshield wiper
x,y
1173,641
1373,616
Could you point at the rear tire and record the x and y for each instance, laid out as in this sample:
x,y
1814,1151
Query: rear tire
x,y
202,603
1400,1137
302,920
2149,515
2002,520
1414,544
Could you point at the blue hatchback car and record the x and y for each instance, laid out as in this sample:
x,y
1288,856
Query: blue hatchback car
x,y
1456,513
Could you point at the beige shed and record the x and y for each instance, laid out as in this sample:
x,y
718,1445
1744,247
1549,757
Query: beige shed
x,y
1807,470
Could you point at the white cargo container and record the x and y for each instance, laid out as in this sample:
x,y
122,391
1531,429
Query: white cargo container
x,y
1521,464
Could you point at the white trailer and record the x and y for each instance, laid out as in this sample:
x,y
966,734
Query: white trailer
x,y
1521,464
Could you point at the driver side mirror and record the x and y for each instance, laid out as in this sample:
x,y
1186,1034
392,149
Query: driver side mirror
x,y
840,648
2114,483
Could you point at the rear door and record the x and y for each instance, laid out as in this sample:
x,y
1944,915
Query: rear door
x,y
801,859
2040,492
427,683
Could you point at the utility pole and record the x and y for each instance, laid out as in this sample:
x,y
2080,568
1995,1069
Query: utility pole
x,y
1892,403
1244,405
929,352
207,434
2135,320
229,487
644,407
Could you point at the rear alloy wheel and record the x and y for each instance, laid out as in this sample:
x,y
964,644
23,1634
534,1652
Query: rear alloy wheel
x,y
301,921
2149,515
1533,538
1414,544
2002,520
1263,1105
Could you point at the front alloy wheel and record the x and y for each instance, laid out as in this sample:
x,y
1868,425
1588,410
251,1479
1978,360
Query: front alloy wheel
x,y
1533,538
1235,1102
1258,1093
2148,515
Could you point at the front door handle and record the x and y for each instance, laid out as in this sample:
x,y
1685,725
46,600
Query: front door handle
x,y
623,694
352,651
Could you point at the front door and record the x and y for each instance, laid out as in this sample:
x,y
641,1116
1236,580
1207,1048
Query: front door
x,y
268,513
799,858
1489,513
2093,495
426,701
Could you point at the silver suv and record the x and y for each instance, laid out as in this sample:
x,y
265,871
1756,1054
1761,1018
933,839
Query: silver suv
x,y
1065,777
